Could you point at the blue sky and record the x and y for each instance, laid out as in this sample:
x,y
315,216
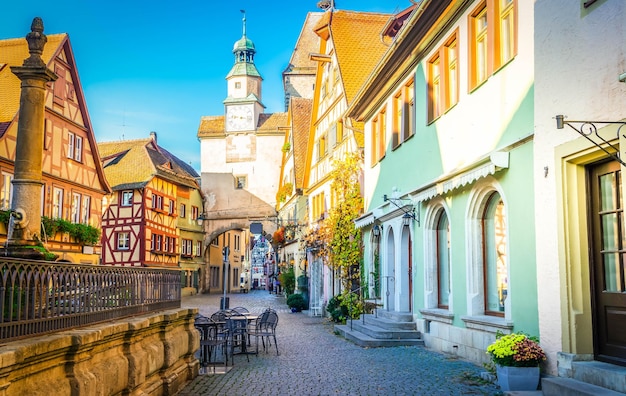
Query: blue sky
x,y
160,65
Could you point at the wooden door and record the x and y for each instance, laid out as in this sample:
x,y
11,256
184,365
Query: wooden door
x,y
608,262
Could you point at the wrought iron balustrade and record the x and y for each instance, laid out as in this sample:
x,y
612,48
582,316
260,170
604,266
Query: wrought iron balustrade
x,y
39,297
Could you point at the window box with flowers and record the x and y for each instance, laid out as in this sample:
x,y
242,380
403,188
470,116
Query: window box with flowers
x,y
517,357
284,192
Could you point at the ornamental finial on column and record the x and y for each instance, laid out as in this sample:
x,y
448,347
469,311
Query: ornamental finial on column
x,y
36,41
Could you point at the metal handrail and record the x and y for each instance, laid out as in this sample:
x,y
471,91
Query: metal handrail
x,y
38,297
362,300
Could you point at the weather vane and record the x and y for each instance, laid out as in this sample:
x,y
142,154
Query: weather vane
x,y
244,21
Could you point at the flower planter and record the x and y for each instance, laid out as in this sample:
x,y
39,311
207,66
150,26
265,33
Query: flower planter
x,y
518,378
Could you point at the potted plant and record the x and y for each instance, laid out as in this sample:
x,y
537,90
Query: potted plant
x,y
296,302
517,357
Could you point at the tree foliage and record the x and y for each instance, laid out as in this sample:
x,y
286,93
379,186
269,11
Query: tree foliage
x,y
337,238
345,242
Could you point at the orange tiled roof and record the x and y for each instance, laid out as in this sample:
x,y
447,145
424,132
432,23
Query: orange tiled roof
x,y
12,53
211,126
214,125
301,120
307,43
271,122
359,134
356,37
132,164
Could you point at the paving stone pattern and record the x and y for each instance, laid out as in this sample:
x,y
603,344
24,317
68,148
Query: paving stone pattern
x,y
315,361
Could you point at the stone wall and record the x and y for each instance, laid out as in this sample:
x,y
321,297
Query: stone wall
x,y
152,354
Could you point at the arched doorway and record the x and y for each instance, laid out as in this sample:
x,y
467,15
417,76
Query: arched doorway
x,y
389,278
406,271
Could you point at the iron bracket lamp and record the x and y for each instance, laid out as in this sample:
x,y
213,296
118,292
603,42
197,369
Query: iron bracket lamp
x,y
589,130
376,230
408,214
201,217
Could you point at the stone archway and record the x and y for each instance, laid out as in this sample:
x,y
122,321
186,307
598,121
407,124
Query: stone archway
x,y
227,208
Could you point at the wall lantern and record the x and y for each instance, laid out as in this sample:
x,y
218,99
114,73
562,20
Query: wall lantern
x,y
376,230
201,217
406,219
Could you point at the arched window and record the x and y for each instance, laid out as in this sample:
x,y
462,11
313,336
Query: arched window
x,y
495,261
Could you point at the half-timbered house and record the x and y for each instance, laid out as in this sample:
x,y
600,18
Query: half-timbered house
x,y
73,181
151,217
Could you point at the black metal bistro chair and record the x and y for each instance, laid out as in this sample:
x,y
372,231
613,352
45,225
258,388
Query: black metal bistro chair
x,y
213,343
237,330
265,329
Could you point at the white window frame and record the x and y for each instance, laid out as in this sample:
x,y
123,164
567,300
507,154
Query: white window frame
x,y
6,194
70,145
78,148
186,247
475,282
85,209
75,214
57,203
127,198
123,240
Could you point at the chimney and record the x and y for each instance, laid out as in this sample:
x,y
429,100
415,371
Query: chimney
x,y
153,136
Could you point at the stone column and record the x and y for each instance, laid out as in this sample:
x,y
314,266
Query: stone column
x,y
25,223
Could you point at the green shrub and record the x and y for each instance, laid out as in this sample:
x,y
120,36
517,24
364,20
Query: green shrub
x,y
287,280
335,310
341,307
86,234
296,301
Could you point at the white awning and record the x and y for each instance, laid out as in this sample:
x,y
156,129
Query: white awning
x,y
365,220
497,161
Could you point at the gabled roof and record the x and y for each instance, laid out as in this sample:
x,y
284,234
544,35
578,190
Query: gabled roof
x,y
132,164
307,43
397,21
300,109
12,53
358,46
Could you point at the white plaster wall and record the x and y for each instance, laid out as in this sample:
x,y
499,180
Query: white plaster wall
x,y
263,173
578,59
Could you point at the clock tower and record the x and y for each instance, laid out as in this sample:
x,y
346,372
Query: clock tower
x,y
243,103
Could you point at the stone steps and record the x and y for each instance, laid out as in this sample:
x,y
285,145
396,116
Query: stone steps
x,y
559,386
584,378
382,330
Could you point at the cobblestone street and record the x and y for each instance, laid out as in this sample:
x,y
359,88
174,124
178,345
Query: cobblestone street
x,y
314,361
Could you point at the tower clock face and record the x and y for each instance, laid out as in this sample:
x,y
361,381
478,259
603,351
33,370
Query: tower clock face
x,y
239,118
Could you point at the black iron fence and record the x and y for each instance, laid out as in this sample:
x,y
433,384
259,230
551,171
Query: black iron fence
x,y
37,297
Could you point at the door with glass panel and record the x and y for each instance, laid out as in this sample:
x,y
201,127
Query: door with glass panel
x,y
608,262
